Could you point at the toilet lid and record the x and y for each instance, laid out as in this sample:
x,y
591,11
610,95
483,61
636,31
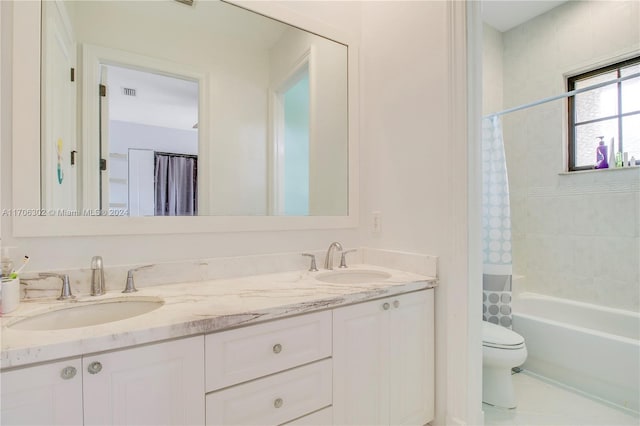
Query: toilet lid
x,y
497,335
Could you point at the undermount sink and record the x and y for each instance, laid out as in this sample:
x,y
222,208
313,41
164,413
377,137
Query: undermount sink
x,y
353,276
88,314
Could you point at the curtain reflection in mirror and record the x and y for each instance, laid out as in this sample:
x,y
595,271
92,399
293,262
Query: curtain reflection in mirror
x,y
176,184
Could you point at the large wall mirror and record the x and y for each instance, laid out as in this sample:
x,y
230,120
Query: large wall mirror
x,y
161,108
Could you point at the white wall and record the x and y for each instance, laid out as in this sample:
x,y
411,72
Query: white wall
x,y
125,135
412,169
575,236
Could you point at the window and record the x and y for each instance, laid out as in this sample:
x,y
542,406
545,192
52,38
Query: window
x,y
611,111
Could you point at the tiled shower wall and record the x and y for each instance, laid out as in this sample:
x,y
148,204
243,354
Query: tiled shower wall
x,y
574,236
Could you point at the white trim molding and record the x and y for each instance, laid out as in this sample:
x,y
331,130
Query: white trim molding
x,y
459,350
474,49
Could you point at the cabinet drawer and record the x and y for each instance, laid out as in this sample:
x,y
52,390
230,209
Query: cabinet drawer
x,y
251,352
323,417
272,400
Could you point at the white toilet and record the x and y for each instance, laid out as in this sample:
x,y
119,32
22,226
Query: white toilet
x,y
502,349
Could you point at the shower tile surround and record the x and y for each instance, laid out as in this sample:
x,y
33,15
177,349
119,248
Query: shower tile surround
x,y
575,235
268,287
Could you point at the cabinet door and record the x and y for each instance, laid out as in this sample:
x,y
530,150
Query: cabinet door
x,y
411,337
49,394
360,364
155,384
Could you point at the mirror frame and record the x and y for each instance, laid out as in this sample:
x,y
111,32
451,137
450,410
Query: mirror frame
x,y
26,146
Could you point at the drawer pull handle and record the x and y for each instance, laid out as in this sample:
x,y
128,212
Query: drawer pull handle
x,y
386,306
68,373
278,403
396,303
94,368
277,348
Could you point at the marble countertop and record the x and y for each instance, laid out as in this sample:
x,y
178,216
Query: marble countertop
x,y
193,308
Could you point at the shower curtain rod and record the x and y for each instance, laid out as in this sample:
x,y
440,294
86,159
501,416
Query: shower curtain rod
x,y
563,95
175,154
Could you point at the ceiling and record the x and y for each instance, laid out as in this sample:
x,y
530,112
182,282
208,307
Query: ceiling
x,y
504,15
159,100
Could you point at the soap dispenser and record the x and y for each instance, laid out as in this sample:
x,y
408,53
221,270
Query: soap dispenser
x,y
601,155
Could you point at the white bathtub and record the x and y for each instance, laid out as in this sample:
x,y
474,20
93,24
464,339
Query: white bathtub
x,y
588,347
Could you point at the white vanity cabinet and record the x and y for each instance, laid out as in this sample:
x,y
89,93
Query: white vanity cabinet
x,y
155,384
47,394
270,373
370,363
383,361
161,383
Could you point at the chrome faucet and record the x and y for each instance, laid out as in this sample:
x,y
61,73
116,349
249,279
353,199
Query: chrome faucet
x,y
65,293
97,276
328,260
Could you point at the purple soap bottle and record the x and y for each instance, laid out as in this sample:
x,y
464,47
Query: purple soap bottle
x,y
601,155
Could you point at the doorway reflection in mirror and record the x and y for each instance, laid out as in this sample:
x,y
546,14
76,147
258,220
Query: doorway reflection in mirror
x,y
151,140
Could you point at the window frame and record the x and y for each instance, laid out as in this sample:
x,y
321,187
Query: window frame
x,y
571,83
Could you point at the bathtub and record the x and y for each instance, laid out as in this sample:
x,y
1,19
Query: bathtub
x,y
591,348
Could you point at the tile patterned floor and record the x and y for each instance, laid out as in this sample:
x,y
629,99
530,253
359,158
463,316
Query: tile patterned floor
x,y
544,404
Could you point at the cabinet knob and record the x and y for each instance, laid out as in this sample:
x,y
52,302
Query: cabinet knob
x,y
277,348
396,303
386,306
68,373
94,368
278,403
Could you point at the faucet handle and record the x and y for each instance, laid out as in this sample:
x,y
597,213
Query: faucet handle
x,y
139,268
130,286
312,267
65,293
343,261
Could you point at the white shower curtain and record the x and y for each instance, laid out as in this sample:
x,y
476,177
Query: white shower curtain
x,y
496,226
